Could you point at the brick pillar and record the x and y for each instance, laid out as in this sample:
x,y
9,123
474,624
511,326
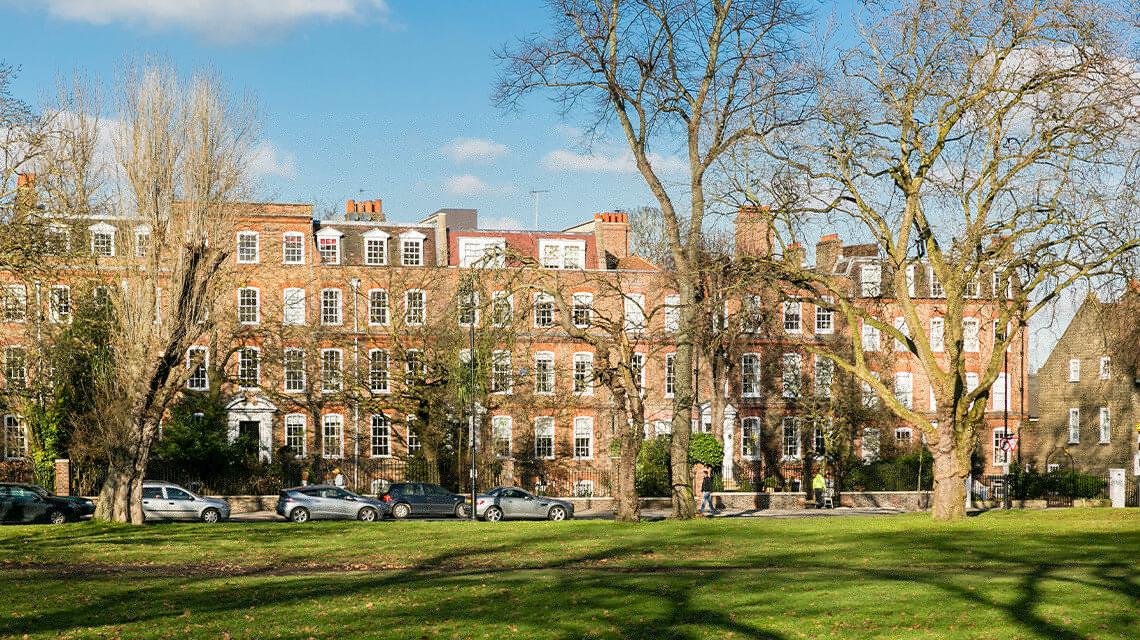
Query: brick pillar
x,y
63,477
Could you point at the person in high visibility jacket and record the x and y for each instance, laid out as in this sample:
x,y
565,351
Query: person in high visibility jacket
x,y
818,484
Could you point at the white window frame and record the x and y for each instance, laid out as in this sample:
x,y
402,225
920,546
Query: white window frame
x,y
102,230
332,433
670,374
379,377
825,318
412,444
329,237
15,437
1074,425
292,438
332,370
936,289
544,378
249,305
634,316
482,252
904,329
501,300
553,254
502,375
583,373
142,248
824,377
246,254
904,388
871,336
672,312
904,436
543,303
937,334
791,438
583,442
244,380
999,392
298,382
791,375
415,314
375,247
971,335
793,315
412,248
751,314
582,308
15,303
1075,370
204,366
293,306
544,437
750,438
1105,425
16,366
379,436
870,442
467,307
332,307
870,280
1000,456
379,308
1105,368
751,375
502,430
292,254
910,279
59,304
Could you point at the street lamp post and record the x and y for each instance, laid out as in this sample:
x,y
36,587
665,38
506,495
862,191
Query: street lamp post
x,y
470,303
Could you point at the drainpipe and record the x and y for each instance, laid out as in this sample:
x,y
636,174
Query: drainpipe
x,y
355,282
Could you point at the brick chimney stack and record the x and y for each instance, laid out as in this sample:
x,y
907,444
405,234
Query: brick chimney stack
x,y
827,251
753,232
371,208
794,254
25,192
611,235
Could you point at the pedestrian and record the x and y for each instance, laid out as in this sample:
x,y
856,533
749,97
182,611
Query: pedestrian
x,y
818,484
706,493
338,478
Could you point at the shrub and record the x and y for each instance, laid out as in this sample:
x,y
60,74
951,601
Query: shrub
x,y
705,449
651,476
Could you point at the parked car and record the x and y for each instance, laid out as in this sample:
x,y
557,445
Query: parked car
x,y
511,502
326,502
86,506
424,499
20,503
168,501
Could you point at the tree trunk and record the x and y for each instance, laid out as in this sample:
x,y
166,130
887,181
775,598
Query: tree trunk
x,y
680,473
120,499
950,471
628,502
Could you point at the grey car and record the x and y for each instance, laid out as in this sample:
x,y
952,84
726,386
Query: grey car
x,y
168,501
512,502
326,502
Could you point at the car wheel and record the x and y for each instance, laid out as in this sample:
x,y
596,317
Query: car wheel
x,y
462,510
367,514
557,513
211,515
401,511
493,514
55,516
300,514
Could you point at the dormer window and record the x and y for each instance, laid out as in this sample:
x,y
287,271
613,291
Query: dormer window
x,y
481,252
412,248
102,240
375,247
562,254
328,245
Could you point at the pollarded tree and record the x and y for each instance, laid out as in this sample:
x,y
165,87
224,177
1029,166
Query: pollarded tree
x,y
672,74
986,148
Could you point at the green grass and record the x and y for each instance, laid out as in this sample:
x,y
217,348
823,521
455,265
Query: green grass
x,y
1055,574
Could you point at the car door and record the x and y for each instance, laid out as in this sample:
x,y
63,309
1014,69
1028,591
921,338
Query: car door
x,y
154,503
438,499
511,502
24,505
5,502
180,504
340,503
316,502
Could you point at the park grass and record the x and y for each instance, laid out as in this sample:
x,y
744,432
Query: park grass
x,y
1051,574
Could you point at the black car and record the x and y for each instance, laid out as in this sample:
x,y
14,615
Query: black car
x,y
19,503
424,499
85,506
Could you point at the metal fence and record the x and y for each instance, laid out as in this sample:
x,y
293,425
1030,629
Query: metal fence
x,y
1057,488
795,477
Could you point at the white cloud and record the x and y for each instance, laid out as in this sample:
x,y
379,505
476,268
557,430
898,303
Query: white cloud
x,y
501,224
218,20
268,160
473,150
466,185
562,160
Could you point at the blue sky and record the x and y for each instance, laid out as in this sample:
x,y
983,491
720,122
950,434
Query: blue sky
x,y
364,99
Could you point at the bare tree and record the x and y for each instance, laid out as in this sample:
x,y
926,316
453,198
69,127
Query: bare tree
x,y
988,150
182,150
669,73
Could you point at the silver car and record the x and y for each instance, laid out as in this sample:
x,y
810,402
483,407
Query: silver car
x,y
326,502
512,502
168,501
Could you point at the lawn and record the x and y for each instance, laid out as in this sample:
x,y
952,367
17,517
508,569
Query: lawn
x,y
1047,574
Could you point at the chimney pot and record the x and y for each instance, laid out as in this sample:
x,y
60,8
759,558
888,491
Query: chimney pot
x,y
350,206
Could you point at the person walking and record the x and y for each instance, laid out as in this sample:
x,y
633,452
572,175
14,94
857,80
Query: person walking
x,y
706,493
818,484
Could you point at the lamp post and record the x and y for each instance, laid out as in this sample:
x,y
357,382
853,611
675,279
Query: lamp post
x,y
469,303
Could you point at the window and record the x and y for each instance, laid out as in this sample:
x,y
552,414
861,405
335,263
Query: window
x,y
818,440
502,309
1105,368
824,317
375,248
378,307
501,436
790,438
102,240
295,434
904,389
380,442
970,342
413,442
249,305
750,438
15,303
15,367
378,381
142,242
750,375
482,252
870,394
903,437
670,374
997,281
637,370
583,437
791,375
332,432
249,367
972,289
294,366
871,444
15,437
672,312
870,336
1074,370
1001,446
1074,425
562,254
871,280
330,307
414,307
57,241
910,279
543,311
752,314
937,334
59,304
197,363
293,306
328,245
293,248
583,373
904,330
544,437
634,312
935,286
501,380
544,373
332,370
582,309
793,317
247,247
1105,426
412,248
824,376
468,306
415,368
1000,392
